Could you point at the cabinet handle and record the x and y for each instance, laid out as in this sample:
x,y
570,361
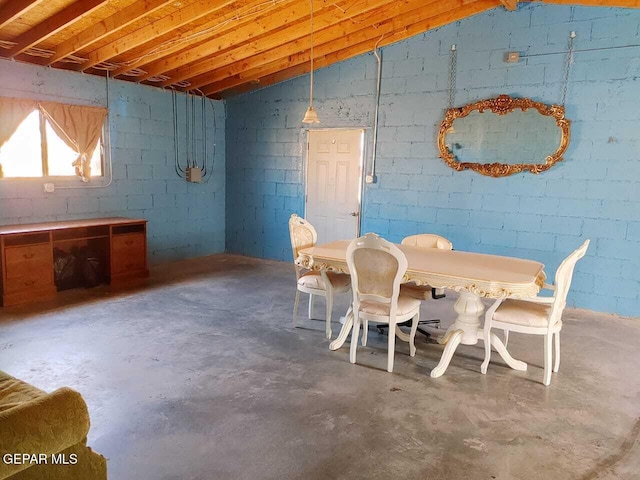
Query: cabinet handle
x,y
128,242
28,255
29,283
129,265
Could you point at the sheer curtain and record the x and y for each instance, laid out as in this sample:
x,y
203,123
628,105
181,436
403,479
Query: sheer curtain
x,y
80,127
13,111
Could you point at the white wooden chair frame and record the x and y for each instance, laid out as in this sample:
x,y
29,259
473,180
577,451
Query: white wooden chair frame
x,y
374,242
427,240
303,235
551,331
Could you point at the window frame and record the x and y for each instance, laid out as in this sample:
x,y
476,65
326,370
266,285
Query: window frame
x,y
69,180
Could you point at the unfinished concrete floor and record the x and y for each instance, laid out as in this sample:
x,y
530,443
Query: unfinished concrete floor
x,y
201,376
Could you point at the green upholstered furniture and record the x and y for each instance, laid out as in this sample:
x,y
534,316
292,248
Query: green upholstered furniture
x,y
53,426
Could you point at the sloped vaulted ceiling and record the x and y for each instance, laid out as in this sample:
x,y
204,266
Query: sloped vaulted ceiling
x,y
218,47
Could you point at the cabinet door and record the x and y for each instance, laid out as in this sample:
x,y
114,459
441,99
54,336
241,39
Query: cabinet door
x,y
28,267
128,252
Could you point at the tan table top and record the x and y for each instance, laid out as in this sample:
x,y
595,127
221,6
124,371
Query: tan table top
x,y
484,275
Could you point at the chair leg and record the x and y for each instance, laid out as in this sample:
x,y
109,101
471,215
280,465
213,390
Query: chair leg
x,y
487,346
312,300
355,333
329,301
295,307
556,362
365,332
547,358
391,346
506,338
412,335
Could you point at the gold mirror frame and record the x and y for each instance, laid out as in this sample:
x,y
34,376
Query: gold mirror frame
x,y
502,105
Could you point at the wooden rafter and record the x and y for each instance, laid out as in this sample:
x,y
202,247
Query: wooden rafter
x,y
188,14
267,30
509,4
221,46
14,9
108,26
328,40
52,25
239,50
354,50
224,21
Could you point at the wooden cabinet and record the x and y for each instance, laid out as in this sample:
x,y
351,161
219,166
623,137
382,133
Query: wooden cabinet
x,y
27,254
128,251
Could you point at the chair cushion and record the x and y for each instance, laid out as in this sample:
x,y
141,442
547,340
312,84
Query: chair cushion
x,y
406,305
520,312
314,279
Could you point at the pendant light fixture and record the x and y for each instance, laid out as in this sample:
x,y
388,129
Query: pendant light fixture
x,y
310,115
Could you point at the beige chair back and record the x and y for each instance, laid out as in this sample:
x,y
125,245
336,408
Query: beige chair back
x,y
564,275
377,267
303,235
428,240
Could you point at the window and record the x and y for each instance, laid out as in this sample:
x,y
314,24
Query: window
x,y
36,150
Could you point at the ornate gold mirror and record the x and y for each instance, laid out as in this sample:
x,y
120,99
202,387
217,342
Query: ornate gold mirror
x,y
501,136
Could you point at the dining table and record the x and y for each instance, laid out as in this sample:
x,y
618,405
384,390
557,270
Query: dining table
x,y
473,275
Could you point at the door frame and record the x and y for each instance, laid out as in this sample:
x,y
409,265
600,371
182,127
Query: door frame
x,y
363,148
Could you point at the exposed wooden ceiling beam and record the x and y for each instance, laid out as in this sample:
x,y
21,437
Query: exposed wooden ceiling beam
x,y
219,25
108,26
52,25
190,13
239,50
266,29
330,39
509,4
354,50
14,9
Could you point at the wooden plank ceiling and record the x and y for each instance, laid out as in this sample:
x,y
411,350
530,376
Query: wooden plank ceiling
x,y
219,47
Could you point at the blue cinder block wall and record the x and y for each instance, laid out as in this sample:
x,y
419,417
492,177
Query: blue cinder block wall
x,y
594,193
185,220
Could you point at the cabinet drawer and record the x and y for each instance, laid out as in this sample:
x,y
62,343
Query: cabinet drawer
x,y
30,261
28,281
128,252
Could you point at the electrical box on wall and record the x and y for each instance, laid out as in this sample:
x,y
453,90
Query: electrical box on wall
x,y
512,57
194,175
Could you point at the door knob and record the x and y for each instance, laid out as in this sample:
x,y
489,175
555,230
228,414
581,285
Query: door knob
x,y
354,214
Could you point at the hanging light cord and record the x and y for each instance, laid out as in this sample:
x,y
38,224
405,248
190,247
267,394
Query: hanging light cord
x,y
311,85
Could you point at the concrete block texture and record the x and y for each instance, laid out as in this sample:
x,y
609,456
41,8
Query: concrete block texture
x,y
142,150
593,193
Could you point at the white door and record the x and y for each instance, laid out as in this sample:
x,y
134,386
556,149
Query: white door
x,y
334,168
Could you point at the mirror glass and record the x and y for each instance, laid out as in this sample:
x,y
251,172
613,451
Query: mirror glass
x,y
501,136
519,137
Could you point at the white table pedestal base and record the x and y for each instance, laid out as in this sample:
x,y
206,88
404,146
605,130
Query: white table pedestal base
x,y
465,330
344,331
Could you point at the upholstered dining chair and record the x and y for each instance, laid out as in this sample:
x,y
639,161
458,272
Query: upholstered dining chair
x,y
425,240
537,315
377,267
423,292
316,284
